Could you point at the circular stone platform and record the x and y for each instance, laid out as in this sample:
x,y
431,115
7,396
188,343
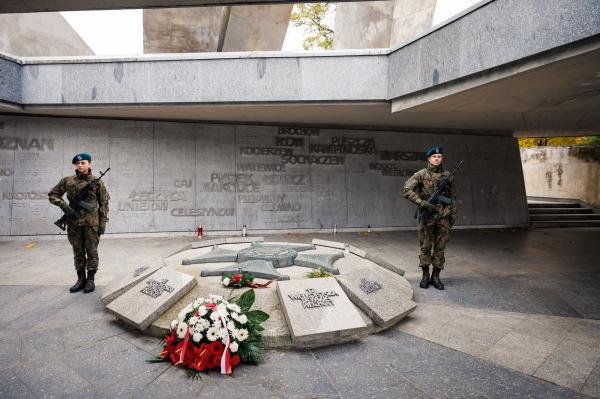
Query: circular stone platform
x,y
365,295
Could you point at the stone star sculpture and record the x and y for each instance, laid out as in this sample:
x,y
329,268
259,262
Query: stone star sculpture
x,y
262,260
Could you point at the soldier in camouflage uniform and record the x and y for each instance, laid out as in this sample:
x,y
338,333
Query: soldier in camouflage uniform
x,y
83,233
435,232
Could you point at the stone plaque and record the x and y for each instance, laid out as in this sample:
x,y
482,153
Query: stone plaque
x,y
385,264
382,296
208,243
241,240
114,290
318,309
141,305
330,244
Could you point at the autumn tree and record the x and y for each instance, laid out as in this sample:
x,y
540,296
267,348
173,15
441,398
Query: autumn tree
x,y
558,141
312,17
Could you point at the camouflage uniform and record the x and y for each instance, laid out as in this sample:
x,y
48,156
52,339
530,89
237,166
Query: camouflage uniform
x,y
83,232
435,232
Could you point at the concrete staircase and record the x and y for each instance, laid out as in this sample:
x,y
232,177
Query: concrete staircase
x,y
555,213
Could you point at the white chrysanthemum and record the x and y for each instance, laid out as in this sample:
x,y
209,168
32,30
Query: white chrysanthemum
x,y
226,281
233,307
215,298
193,320
181,330
242,334
230,325
223,333
233,347
197,337
212,334
234,316
203,324
243,319
202,311
214,316
174,324
197,302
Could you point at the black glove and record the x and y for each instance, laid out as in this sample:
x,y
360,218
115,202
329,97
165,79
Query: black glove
x,y
426,206
68,210
101,229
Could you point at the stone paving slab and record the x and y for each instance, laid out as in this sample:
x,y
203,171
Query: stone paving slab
x,y
570,364
143,304
118,288
380,297
317,309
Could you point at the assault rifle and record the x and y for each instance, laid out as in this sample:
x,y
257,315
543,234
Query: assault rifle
x,y
79,203
437,196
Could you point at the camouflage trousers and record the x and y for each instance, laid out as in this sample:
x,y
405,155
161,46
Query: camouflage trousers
x,y
434,234
84,240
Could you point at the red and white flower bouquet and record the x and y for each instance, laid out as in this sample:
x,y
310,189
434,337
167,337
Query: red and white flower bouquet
x,y
216,333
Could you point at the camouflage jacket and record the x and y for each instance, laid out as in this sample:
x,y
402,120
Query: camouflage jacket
x,y
72,185
420,186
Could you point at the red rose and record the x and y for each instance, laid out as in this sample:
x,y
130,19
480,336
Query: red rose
x,y
236,278
235,360
216,348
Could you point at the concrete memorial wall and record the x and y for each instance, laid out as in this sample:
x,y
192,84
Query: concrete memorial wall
x,y
173,176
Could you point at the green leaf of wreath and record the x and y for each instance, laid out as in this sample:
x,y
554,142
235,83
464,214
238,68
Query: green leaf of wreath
x,y
246,300
257,316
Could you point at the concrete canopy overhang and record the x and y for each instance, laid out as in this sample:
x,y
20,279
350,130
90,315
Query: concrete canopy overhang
x,y
81,5
469,74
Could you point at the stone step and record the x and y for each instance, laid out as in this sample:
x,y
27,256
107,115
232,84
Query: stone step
x,y
554,205
573,223
557,211
562,217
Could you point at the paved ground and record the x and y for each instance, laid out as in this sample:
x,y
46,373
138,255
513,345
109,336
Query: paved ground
x,y
519,318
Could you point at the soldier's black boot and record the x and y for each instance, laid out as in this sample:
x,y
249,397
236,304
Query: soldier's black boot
x,y
425,280
89,282
435,278
80,281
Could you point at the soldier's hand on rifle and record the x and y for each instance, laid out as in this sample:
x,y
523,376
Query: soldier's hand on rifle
x,y
427,206
67,209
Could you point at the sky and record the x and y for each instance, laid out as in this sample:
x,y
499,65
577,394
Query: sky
x,y
120,32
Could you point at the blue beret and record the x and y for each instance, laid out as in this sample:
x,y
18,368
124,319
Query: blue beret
x,y
84,156
434,150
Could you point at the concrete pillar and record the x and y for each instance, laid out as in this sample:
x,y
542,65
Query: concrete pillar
x,y
40,35
410,19
182,30
257,28
363,25
189,30
378,24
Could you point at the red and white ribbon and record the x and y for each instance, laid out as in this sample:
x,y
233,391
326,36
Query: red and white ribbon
x,y
225,358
